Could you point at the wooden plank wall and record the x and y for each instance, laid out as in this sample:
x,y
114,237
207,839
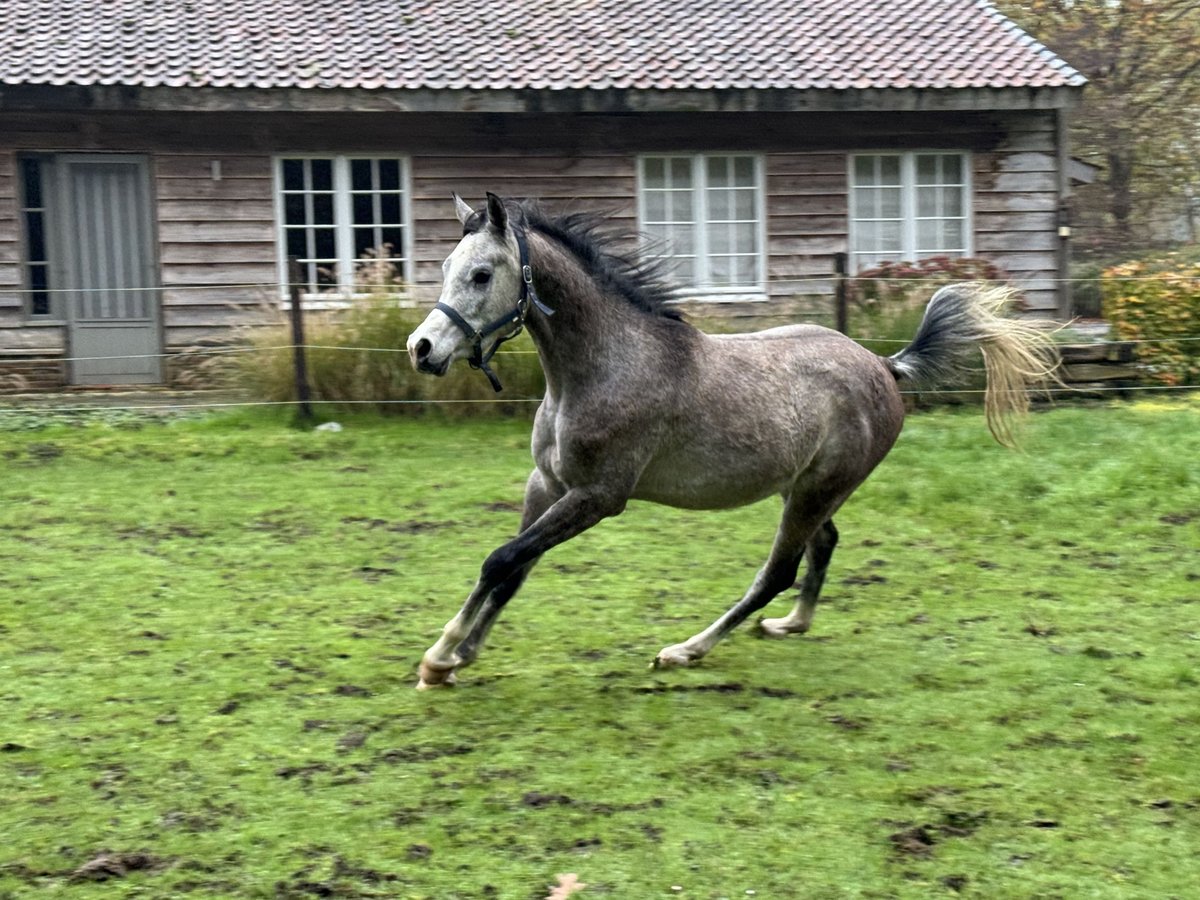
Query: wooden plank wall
x,y
216,243
216,234
806,221
584,181
1016,207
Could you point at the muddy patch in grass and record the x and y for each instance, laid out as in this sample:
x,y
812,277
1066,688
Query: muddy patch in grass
x,y
410,526
110,864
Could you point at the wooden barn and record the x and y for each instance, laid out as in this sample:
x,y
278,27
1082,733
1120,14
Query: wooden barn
x,y
160,160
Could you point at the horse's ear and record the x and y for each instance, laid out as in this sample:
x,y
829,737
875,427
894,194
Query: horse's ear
x,y
461,209
496,213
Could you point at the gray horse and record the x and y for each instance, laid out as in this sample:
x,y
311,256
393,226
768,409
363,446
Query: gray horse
x,y
641,405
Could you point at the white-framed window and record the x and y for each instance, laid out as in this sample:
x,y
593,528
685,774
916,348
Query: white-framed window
x,y
704,213
346,219
909,206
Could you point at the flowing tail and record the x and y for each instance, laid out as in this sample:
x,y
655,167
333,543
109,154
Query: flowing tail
x,y
1017,353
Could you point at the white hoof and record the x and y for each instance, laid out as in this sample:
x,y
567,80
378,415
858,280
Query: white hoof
x,y
781,628
448,681
431,676
677,655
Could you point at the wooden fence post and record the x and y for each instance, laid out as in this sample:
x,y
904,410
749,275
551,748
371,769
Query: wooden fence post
x,y
295,292
841,295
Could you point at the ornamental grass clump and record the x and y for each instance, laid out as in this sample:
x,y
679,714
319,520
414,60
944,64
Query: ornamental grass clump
x,y
1156,301
356,355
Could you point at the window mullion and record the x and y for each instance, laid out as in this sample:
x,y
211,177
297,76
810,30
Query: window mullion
x,y
908,244
700,189
343,213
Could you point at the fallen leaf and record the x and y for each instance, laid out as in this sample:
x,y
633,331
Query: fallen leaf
x,y
567,885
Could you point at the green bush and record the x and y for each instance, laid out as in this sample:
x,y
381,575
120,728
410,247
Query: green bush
x,y
1157,301
357,356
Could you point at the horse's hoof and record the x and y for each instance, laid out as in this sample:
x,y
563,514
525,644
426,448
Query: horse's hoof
x,y
673,657
779,628
431,677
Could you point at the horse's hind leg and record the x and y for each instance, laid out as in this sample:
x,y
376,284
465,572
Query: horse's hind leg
x,y
819,551
796,530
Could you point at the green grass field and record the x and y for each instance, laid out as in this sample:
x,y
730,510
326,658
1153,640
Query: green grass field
x,y
209,633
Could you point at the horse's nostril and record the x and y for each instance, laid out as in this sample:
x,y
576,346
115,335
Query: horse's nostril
x,y
422,349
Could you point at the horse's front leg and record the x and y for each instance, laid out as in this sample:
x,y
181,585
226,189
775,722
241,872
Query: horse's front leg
x,y
574,512
540,494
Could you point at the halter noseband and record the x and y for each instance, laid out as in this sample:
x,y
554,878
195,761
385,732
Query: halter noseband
x,y
515,317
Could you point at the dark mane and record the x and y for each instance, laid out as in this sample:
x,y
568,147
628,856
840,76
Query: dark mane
x,y
608,254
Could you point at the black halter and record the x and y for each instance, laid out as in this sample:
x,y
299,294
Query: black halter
x,y
514,319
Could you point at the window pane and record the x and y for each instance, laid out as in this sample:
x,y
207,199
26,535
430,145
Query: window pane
x,y
31,179
39,297
864,170
928,236
718,206
39,303
889,170
864,204
656,206
746,272
682,239
952,202
743,171
366,243
293,174
389,209
681,172
952,172
719,171
680,206
322,174
360,175
927,169
720,271
325,277
927,201
294,210
322,209
654,172
392,242
297,245
324,245
744,205
389,174
745,238
889,203
720,239
364,209
35,234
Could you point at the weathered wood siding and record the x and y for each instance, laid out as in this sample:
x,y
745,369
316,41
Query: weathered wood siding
x,y
1016,207
216,228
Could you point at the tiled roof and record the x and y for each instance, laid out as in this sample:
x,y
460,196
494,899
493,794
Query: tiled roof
x,y
519,44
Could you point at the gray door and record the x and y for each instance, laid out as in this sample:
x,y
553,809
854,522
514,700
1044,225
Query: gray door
x,y
108,269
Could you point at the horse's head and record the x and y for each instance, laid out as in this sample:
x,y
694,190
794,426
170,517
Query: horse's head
x,y
483,298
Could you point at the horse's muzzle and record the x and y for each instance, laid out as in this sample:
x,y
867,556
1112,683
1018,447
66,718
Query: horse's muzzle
x,y
418,352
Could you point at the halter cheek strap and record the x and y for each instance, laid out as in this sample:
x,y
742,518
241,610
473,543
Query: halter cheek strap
x,y
514,319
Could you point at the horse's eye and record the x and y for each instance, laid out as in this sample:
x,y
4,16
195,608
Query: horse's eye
x,y
482,277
